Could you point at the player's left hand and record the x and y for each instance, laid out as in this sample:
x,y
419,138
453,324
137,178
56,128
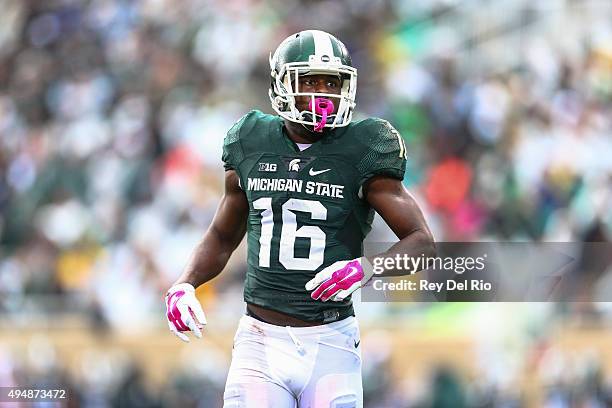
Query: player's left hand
x,y
339,280
184,312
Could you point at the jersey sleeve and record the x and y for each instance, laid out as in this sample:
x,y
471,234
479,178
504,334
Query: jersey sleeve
x,y
233,153
385,151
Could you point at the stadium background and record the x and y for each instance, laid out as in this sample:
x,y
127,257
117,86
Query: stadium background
x,y
112,115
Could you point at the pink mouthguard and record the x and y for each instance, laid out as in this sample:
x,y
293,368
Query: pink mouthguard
x,y
323,107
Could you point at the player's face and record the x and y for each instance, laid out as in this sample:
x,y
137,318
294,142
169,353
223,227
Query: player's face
x,y
329,84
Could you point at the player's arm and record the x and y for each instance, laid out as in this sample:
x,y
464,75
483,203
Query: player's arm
x,y
400,211
398,208
183,311
223,236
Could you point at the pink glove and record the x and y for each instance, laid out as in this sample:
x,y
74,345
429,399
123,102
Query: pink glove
x,y
184,312
338,281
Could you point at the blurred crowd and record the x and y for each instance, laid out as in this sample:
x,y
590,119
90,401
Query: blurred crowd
x,y
113,112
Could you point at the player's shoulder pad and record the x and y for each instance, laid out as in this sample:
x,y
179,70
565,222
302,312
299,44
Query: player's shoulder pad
x,y
245,127
371,131
383,148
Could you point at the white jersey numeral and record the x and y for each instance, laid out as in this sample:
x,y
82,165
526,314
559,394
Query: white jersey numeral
x,y
290,232
267,226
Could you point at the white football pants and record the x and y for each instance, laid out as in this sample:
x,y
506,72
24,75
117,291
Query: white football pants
x,y
287,367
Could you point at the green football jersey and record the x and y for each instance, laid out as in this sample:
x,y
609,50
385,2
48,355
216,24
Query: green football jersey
x,y
305,210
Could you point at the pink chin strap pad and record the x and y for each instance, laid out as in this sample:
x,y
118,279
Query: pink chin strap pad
x,y
323,107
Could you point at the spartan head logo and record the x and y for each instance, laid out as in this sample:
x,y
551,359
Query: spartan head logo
x,y
294,165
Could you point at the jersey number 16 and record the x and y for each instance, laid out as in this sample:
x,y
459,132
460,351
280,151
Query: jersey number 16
x,y
290,232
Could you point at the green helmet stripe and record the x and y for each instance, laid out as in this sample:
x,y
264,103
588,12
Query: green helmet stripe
x,y
323,43
337,49
308,46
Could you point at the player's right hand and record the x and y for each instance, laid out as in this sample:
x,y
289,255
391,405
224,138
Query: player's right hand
x,y
184,312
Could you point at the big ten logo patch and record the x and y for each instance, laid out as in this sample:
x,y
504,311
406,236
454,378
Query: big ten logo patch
x,y
267,167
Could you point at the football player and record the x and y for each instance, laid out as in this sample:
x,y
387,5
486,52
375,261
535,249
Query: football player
x,y
304,185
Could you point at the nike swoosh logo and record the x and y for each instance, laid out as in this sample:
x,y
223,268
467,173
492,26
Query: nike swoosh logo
x,y
357,343
314,172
